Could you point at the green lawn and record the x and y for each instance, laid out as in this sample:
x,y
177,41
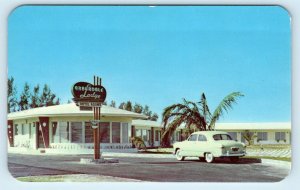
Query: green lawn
x,y
74,178
270,157
54,178
269,147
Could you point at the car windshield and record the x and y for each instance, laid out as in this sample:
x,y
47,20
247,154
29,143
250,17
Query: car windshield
x,y
219,137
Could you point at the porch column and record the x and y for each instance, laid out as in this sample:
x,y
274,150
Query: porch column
x,y
10,132
152,137
44,126
132,131
132,134
180,135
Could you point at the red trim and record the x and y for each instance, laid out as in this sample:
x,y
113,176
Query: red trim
x,y
10,132
45,130
152,136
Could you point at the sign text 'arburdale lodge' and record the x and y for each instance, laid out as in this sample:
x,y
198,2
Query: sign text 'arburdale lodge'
x,y
85,92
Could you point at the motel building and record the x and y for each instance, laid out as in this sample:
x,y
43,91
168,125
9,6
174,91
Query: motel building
x,y
67,129
267,133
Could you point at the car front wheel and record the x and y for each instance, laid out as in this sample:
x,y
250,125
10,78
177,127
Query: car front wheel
x,y
178,156
209,158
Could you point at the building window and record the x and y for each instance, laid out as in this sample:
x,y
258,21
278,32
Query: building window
x,y
124,132
233,135
144,135
76,132
64,132
16,130
22,130
175,136
89,138
148,135
262,136
138,133
116,132
55,135
26,129
31,130
105,132
157,135
280,136
30,134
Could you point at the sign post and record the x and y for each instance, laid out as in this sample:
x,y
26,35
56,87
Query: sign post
x,y
90,97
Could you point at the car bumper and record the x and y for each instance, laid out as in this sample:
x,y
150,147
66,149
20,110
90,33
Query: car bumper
x,y
236,154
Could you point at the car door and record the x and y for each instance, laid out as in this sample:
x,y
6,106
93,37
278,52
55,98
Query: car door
x,y
191,145
201,145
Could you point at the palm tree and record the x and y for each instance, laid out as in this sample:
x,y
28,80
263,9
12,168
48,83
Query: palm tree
x,y
249,137
194,114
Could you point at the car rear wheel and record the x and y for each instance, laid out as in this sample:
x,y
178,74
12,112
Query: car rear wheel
x,y
209,158
178,156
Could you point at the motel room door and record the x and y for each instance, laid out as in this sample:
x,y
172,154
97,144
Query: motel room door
x,y
39,140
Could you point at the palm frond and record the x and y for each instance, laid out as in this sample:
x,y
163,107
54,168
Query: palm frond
x,y
224,105
170,111
204,107
165,138
138,143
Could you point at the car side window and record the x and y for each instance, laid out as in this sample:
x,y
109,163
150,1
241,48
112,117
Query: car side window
x,y
193,137
202,138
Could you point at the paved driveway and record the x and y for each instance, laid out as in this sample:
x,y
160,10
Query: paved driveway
x,y
148,168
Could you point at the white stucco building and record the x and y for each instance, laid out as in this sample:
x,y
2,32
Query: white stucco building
x,y
66,128
263,133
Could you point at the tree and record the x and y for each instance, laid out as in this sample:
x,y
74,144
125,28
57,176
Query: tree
x,y
12,101
104,103
24,98
47,97
128,106
147,111
35,97
137,108
44,96
249,137
57,102
154,117
112,104
194,114
122,105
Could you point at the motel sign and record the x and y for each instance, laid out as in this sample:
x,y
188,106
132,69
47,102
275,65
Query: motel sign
x,y
90,97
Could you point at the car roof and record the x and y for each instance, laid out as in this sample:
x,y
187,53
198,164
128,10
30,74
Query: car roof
x,y
210,132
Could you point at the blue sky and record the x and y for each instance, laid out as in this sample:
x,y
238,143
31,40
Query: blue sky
x,y
159,55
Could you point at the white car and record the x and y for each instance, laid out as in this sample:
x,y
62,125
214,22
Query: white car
x,y
209,145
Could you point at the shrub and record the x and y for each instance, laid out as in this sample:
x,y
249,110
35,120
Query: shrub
x,y
138,143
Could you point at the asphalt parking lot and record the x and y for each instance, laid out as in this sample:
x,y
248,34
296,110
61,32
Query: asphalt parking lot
x,y
164,169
